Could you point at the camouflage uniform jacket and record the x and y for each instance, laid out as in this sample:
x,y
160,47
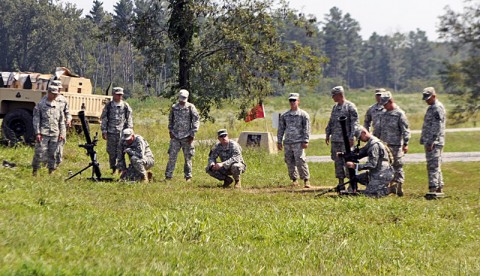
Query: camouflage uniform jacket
x,y
377,161
394,127
372,117
183,121
296,127
116,118
66,111
139,148
228,154
48,118
334,129
433,129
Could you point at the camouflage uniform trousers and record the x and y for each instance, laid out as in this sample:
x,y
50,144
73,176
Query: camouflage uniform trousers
x,y
113,147
296,161
235,170
339,162
376,184
59,152
188,152
137,169
399,174
434,167
48,145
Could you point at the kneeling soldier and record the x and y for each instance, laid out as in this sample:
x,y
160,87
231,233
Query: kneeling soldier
x,y
230,154
141,157
380,172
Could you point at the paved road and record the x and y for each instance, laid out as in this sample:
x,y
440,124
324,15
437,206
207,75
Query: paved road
x,y
419,157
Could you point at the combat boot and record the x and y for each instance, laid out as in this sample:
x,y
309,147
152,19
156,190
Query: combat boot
x,y
50,171
432,189
295,183
238,184
392,188
227,182
150,176
145,179
439,190
307,183
399,189
340,184
188,179
34,172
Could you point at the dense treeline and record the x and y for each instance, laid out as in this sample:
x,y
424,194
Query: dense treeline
x,y
220,49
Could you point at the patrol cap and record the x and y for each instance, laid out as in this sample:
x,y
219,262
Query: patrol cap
x,y
385,97
56,83
127,134
222,132
293,96
118,91
358,131
337,90
379,91
183,95
428,93
53,89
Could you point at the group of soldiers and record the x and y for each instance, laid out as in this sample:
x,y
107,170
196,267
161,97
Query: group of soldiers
x,y
385,132
385,145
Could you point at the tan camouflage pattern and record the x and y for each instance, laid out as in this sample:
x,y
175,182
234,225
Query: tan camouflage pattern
x,y
295,126
296,161
380,173
115,118
231,157
49,121
433,129
334,129
394,129
141,158
173,150
372,118
183,121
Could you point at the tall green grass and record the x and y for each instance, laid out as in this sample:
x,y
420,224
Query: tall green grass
x,y
49,226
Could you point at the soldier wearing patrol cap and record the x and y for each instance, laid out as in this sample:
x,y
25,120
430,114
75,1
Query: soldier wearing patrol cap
x,y
373,113
183,124
68,120
49,127
395,132
140,155
231,161
294,135
433,139
380,172
116,116
333,131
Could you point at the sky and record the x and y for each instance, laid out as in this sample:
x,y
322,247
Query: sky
x,y
384,17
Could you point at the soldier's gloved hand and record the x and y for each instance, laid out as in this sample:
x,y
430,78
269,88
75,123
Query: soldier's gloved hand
x,y
104,135
128,151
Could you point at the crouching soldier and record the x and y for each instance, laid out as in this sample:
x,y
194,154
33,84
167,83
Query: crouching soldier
x,y
231,160
380,171
141,157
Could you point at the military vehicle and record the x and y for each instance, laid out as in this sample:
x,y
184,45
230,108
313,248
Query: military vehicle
x,y
20,92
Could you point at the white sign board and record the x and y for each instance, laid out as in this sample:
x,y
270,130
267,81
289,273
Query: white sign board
x,y
275,118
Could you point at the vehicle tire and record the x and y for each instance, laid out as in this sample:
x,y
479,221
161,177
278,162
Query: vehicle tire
x,y
17,126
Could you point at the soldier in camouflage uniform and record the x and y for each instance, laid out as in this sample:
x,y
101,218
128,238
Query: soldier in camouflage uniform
x,y
394,131
231,160
49,126
295,125
68,117
183,124
116,116
141,157
433,139
380,172
333,131
373,113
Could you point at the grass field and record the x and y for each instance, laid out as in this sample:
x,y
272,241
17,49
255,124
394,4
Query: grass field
x,y
49,226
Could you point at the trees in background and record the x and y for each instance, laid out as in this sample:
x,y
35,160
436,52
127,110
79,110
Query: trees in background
x,y
462,78
237,49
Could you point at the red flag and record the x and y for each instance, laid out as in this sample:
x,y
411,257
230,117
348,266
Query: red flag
x,y
255,113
